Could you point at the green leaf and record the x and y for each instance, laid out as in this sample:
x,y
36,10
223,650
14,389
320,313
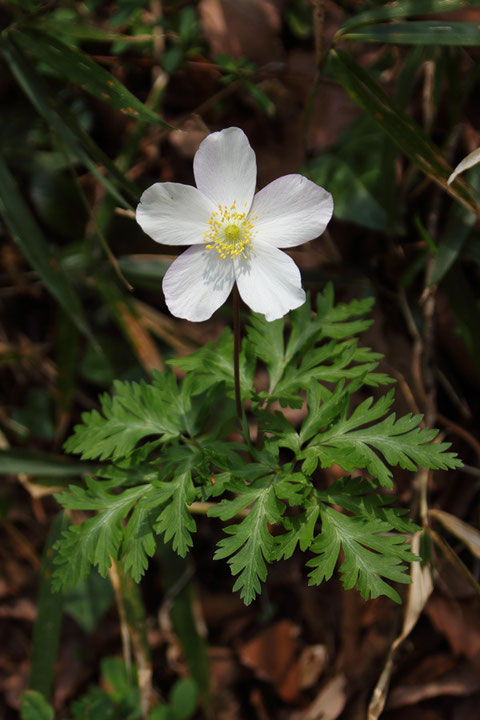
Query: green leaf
x,y
463,302
370,554
122,682
419,33
312,350
33,706
136,411
48,622
97,540
89,600
161,712
183,699
331,321
410,137
66,126
215,361
33,245
299,529
76,67
74,28
175,520
401,442
321,411
292,368
250,543
266,340
156,504
459,224
353,201
139,542
404,8
356,495
282,431
96,704
145,272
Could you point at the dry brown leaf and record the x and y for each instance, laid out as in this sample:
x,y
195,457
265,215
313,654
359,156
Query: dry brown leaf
x,y
224,675
187,140
329,702
462,530
463,680
272,656
142,343
418,593
311,664
249,28
20,609
162,326
459,622
332,110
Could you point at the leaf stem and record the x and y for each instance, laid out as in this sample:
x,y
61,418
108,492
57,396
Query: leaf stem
x,y
236,350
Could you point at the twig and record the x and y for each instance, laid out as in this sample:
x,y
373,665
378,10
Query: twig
x,y
320,59
125,635
134,634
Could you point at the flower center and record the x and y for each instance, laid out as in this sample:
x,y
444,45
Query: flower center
x,y
232,233
229,232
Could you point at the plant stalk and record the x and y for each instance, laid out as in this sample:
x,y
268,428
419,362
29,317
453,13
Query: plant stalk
x,y
236,350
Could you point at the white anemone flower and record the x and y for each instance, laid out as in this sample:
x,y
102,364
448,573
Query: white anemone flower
x,y
235,234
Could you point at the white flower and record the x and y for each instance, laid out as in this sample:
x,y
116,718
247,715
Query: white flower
x,y
235,235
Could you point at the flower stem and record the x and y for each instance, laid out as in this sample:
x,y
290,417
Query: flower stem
x,y
236,350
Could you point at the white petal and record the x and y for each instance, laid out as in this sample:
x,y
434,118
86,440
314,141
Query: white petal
x,y
269,282
174,214
197,283
225,168
291,211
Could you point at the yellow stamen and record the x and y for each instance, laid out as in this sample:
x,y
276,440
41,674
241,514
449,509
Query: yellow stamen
x,y
229,232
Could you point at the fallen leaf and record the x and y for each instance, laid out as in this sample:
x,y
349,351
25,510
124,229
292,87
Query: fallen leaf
x,y
329,702
464,680
272,656
462,530
249,28
459,623
187,140
311,664
418,593
142,343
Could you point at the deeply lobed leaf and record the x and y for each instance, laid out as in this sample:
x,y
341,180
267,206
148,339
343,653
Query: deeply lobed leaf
x,y
250,545
401,442
136,411
370,554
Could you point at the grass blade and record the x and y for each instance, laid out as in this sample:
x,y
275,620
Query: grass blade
x,y
405,133
419,33
19,460
75,140
47,626
460,222
74,28
76,67
468,534
463,303
181,589
30,239
404,8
